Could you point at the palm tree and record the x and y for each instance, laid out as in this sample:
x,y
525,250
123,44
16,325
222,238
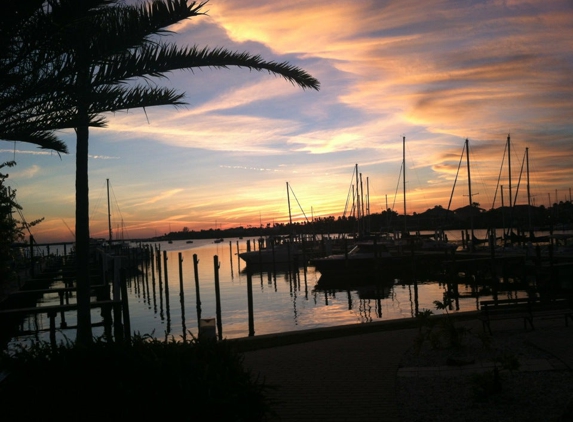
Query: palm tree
x,y
27,78
111,46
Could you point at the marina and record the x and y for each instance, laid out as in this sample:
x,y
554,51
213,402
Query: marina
x,y
205,283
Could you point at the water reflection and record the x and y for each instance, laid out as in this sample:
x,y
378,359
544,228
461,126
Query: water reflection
x,y
279,298
363,293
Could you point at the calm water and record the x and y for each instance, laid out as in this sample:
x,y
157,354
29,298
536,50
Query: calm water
x,y
282,300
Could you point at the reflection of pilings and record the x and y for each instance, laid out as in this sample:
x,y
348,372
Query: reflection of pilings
x,y
218,297
250,304
294,308
305,283
197,292
182,297
167,308
379,294
415,282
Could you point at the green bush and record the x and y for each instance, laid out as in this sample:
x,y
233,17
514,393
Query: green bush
x,y
190,380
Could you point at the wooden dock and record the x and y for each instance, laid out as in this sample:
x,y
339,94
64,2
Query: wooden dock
x,y
108,291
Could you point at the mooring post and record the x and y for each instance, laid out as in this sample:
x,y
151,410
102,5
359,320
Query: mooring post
x,y
125,306
182,297
216,266
116,296
32,270
197,293
165,272
167,307
250,304
152,259
231,257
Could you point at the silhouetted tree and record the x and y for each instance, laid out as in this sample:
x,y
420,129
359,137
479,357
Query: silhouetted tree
x,y
29,75
104,44
12,229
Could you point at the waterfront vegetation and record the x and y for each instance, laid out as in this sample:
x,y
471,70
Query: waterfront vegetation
x,y
12,229
520,218
146,378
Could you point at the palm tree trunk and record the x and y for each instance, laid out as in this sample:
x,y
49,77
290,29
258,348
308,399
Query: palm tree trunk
x,y
84,330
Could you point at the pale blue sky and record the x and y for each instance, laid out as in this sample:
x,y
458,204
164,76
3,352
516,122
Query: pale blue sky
x,y
436,72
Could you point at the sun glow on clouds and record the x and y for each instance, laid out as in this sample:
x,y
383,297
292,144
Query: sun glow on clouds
x,y
436,72
161,197
28,173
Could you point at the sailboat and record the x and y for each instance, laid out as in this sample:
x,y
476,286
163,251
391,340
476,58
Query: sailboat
x,y
119,243
428,242
275,249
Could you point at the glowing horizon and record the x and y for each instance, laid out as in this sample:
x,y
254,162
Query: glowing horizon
x,y
436,73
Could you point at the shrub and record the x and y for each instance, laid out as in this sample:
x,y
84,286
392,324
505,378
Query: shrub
x,y
147,378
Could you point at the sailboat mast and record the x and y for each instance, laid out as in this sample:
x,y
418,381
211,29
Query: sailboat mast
x,y
288,200
528,191
509,166
368,203
404,179
362,220
108,213
470,190
358,202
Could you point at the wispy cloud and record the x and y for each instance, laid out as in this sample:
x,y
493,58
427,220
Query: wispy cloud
x,y
436,72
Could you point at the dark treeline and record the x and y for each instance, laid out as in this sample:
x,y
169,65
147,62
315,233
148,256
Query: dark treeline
x,y
520,218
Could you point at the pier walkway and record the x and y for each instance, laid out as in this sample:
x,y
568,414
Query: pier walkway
x,y
350,373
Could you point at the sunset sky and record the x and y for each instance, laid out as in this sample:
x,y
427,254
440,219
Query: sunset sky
x,y
435,72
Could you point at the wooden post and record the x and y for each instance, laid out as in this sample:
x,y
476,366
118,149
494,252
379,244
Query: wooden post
x,y
52,316
160,284
250,304
216,266
125,306
32,270
197,292
63,323
165,274
167,308
146,273
153,278
231,257
116,296
182,297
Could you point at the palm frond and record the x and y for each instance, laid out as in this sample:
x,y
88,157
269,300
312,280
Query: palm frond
x,y
44,140
156,61
116,98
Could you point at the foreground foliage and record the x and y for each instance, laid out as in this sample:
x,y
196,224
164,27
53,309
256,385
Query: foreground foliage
x,y
11,228
149,378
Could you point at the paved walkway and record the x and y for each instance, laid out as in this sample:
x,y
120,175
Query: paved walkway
x,y
353,377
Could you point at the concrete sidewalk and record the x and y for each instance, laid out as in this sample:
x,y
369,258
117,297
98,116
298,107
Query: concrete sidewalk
x,y
353,377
